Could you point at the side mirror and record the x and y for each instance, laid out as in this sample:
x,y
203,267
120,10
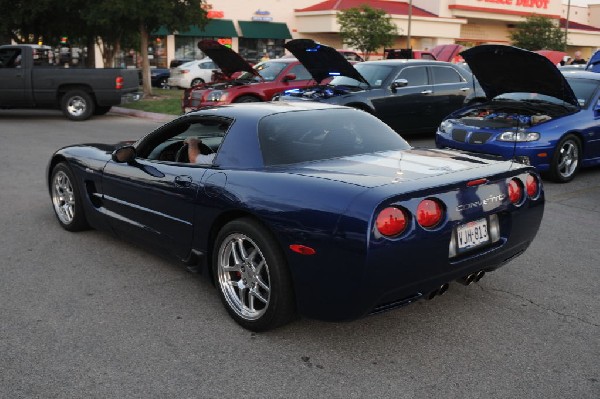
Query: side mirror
x,y
289,76
125,154
398,83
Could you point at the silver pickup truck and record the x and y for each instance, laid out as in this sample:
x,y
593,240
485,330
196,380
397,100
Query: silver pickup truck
x,y
29,79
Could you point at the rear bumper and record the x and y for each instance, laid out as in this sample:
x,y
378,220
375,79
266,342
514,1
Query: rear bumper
x,y
179,82
131,97
395,277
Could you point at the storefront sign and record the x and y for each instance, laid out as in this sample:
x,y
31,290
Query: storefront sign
x,y
215,14
225,41
521,3
262,15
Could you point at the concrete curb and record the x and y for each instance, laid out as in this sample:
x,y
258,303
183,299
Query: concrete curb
x,y
143,114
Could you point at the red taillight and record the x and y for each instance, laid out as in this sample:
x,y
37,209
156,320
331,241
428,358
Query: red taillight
x,y
532,185
391,221
119,82
515,191
429,213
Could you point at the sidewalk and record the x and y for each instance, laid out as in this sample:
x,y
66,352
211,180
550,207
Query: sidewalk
x,y
143,114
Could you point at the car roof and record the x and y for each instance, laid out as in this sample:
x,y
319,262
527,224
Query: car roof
x,y
581,74
261,109
396,62
287,60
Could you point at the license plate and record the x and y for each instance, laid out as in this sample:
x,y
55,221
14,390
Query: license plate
x,y
472,235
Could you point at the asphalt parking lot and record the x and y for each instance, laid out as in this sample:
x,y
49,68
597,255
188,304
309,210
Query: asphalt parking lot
x,y
88,315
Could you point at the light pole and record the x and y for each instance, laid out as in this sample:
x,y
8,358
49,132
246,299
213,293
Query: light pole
x,y
409,22
567,23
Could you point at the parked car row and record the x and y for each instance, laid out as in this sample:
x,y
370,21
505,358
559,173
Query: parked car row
x,y
410,96
536,115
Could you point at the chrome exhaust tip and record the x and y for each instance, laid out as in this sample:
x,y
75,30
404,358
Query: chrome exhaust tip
x,y
440,291
479,276
467,280
443,289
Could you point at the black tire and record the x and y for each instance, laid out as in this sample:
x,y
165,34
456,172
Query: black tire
x,y
196,81
66,199
163,83
247,99
102,109
566,160
77,105
256,290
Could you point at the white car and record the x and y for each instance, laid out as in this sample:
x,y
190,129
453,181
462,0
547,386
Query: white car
x,y
192,73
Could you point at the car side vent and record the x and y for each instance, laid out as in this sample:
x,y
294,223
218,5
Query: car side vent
x,y
92,192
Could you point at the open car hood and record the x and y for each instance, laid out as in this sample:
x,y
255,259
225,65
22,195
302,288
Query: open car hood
x,y
228,60
554,56
322,61
506,69
593,64
446,52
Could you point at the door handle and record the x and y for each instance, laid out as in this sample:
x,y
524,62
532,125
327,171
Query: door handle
x,y
183,180
465,89
427,92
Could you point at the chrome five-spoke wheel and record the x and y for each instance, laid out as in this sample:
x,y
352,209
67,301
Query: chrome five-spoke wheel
x,y
63,197
252,276
567,159
244,276
66,199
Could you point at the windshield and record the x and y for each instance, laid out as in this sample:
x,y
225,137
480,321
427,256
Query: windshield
x,y
374,74
584,89
269,70
294,137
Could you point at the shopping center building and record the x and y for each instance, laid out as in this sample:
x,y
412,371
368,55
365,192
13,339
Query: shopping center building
x,y
254,32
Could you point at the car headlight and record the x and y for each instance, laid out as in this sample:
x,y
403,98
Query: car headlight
x,y
216,95
446,126
519,136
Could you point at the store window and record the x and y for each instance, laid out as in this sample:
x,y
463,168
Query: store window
x,y
157,52
186,47
256,50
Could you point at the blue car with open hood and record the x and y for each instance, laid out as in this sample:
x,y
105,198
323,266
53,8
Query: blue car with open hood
x,y
535,114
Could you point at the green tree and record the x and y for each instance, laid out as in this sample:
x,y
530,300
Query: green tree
x,y
112,21
366,28
538,33
119,19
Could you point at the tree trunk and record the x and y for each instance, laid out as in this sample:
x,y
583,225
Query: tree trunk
x,y
146,86
90,62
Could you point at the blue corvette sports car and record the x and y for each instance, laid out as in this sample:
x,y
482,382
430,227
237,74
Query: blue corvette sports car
x,y
535,114
306,208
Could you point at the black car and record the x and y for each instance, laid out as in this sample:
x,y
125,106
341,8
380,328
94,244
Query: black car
x,y
409,95
159,77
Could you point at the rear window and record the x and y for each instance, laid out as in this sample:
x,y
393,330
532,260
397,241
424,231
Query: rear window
x,y
443,75
304,136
